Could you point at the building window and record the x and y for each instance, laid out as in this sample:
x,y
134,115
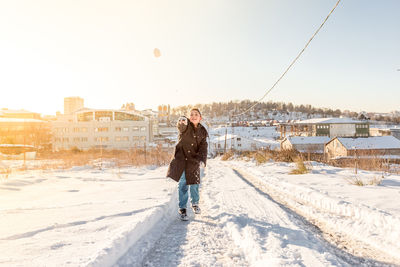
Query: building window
x,y
101,139
136,138
77,139
125,129
238,139
101,129
76,129
103,115
83,129
86,116
84,139
65,139
118,129
135,128
123,116
122,138
143,129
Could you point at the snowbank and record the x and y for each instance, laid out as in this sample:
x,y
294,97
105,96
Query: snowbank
x,y
82,216
354,216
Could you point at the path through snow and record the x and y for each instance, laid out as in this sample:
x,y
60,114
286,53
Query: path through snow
x,y
241,226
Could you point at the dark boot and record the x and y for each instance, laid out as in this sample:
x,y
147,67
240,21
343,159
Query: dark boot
x,y
182,215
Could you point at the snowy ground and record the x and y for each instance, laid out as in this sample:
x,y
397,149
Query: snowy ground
x,y
127,217
78,217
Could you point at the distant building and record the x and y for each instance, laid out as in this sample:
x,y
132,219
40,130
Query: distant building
x,y
72,104
363,147
374,131
128,106
331,127
102,128
234,142
18,114
164,112
395,132
17,152
24,131
305,144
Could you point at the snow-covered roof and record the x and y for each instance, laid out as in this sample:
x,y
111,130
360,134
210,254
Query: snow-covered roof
x,y
329,120
374,142
19,120
303,140
20,111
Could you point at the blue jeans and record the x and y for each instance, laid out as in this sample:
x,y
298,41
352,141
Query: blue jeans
x,y
183,192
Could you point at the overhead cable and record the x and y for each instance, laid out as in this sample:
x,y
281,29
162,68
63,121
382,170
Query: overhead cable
x,y
291,64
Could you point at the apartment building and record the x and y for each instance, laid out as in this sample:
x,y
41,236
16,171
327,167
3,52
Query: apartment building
x,y
331,127
101,128
72,104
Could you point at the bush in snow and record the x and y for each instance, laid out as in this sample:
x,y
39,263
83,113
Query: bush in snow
x,y
227,155
300,167
360,182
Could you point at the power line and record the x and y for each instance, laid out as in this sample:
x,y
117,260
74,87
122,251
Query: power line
x,y
291,64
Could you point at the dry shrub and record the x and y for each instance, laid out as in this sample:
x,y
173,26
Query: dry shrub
x,y
259,158
300,167
227,155
356,181
100,158
264,155
286,155
369,161
246,154
5,172
376,181
359,182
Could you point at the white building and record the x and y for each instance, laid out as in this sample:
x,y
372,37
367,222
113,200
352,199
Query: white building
x,y
332,127
383,146
305,144
72,104
235,142
101,128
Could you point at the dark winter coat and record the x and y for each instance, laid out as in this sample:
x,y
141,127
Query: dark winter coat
x,y
190,150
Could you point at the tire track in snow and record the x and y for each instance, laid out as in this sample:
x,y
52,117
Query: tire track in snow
x,y
197,242
326,240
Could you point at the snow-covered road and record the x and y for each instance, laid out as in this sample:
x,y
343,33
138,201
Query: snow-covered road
x,y
241,226
114,216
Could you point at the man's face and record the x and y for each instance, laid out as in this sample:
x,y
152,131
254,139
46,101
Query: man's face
x,y
195,117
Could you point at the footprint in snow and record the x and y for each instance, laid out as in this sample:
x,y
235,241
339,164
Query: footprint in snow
x,y
58,245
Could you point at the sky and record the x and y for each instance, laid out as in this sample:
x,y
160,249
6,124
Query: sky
x,y
211,51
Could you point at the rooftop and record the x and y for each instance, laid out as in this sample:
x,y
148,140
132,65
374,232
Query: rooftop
x,y
374,142
19,120
330,120
298,140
